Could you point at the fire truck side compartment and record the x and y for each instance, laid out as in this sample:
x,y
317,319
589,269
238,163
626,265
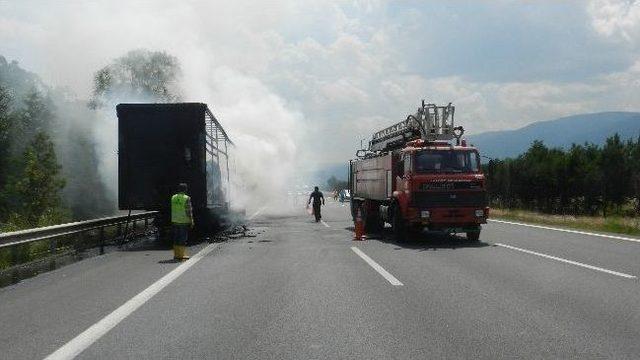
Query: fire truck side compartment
x,y
371,178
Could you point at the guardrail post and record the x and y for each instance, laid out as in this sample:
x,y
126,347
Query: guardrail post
x,y
15,273
15,253
101,235
53,245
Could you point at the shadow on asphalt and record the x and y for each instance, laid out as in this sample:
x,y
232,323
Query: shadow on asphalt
x,y
169,261
425,240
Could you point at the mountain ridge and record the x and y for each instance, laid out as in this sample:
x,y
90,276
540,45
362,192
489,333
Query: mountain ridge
x,y
562,132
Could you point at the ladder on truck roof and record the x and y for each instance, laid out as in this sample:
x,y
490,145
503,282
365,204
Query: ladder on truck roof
x,y
430,123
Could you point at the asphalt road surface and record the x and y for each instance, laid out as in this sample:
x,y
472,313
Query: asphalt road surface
x,y
305,290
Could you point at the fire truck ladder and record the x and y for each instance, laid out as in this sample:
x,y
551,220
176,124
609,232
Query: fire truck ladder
x,y
430,123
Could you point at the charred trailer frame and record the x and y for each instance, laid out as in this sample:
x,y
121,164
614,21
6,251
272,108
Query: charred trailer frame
x,y
162,145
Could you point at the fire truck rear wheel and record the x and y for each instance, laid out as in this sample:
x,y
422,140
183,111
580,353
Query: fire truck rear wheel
x,y
372,222
473,236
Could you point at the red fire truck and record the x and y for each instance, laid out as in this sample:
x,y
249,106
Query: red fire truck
x,y
420,174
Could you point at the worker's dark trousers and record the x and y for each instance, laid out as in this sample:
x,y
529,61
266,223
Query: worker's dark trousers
x,y
316,211
180,234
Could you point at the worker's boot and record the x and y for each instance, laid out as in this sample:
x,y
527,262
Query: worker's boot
x,y
183,253
176,252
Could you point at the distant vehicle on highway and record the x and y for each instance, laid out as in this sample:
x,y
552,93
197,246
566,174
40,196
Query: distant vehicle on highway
x,y
345,195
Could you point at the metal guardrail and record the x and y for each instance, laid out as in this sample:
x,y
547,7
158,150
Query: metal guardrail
x,y
53,232
28,252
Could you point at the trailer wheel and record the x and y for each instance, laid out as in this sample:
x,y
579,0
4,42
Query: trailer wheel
x,y
398,225
473,236
354,204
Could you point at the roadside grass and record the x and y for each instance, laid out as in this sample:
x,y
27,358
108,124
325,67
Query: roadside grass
x,y
613,224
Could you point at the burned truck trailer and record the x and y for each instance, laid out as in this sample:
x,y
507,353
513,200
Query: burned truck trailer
x,y
162,145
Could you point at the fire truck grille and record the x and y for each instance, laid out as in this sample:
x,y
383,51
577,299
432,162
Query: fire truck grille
x,y
466,198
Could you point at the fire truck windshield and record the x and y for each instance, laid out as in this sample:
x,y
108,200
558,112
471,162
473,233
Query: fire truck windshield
x,y
447,161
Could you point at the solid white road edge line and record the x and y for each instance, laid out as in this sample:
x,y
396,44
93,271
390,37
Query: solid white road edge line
x,y
81,342
324,223
567,230
569,261
257,213
390,278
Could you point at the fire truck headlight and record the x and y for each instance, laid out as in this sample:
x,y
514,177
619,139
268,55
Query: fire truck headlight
x,y
425,214
479,213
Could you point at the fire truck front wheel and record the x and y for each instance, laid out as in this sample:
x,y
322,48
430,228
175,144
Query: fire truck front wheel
x,y
398,225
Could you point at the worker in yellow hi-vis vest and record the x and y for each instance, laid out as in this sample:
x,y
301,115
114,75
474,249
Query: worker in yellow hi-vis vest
x,y
181,221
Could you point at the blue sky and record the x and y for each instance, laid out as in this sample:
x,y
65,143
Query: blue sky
x,y
332,72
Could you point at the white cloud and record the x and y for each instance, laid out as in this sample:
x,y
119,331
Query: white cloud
x,y
616,18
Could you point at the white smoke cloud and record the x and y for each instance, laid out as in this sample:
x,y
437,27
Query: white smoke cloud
x,y
266,132
222,48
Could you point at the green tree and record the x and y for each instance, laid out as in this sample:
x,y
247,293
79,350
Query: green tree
x,y
334,184
139,74
5,144
615,172
634,158
37,190
34,117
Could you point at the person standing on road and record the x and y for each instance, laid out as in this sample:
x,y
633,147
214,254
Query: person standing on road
x,y
318,199
181,221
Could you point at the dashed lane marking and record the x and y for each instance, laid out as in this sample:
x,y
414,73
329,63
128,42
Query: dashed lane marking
x,y
569,261
567,230
81,342
324,223
390,278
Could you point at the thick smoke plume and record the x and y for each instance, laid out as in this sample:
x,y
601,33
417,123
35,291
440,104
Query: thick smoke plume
x,y
223,51
263,129
266,134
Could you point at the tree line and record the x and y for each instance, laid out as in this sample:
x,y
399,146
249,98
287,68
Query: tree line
x,y
49,161
334,183
31,182
585,179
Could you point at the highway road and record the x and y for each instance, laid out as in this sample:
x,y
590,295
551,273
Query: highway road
x,y
305,290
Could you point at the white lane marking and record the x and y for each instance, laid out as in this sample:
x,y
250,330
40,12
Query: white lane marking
x,y
567,230
81,342
257,213
390,278
569,261
324,223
